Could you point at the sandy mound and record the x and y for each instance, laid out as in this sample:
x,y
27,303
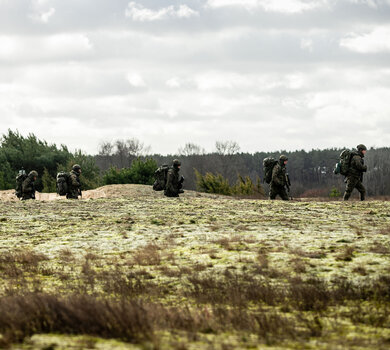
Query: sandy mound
x,y
109,191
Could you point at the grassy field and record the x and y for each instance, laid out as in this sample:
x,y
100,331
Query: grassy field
x,y
135,270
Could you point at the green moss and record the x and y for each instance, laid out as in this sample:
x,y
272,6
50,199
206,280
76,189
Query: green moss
x,y
272,241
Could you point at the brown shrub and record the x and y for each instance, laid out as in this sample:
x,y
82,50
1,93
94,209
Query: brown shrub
x,y
308,254
233,289
315,192
298,265
346,254
147,255
379,248
311,295
361,270
26,257
66,255
23,316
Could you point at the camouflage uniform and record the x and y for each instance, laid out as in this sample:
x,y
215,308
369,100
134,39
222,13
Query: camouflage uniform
x,y
279,181
355,175
174,181
28,188
74,183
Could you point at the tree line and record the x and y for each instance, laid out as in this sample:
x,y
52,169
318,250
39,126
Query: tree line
x,y
311,172
28,153
130,161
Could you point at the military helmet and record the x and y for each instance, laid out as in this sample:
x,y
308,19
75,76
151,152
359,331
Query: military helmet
x,y
33,173
176,162
76,167
361,147
283,158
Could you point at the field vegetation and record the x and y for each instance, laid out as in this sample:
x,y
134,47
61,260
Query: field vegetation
x,y
135,270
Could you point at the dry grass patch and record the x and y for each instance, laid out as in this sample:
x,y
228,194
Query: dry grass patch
x,y
347,254
379,248
147,255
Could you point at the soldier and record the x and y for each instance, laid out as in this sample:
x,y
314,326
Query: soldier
x,y
355,174
174,183
74,190
28,188
279,179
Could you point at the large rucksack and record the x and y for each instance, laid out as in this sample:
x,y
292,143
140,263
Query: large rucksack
x,y
343,166
62,183
268,165
161,177
19,183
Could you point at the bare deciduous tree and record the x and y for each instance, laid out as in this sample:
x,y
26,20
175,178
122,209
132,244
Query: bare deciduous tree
x,y
106,148
136,148
129,149
227,147
121,151
191,149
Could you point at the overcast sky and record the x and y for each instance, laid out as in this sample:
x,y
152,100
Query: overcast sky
x,y
269,74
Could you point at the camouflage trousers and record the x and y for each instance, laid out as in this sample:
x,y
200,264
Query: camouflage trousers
x,y
352,183
28,196
72,195
275,190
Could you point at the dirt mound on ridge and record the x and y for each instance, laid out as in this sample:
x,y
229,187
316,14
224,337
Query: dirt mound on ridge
x,y
109,191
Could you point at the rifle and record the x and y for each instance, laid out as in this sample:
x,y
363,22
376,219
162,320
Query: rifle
x,y
288,184
180,187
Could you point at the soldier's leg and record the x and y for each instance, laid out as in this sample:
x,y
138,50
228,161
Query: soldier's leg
x,y
283,194
351,183
72,195
360,187
272,192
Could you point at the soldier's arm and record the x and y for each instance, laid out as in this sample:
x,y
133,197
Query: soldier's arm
x,y
73,181
358,164
26,186
276,175
169,185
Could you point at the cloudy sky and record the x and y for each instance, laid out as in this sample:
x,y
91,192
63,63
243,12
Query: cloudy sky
x,y
269,74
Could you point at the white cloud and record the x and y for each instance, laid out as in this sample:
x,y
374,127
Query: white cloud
x,y
43,17
42,11
378,40
173,82
68,43
283,6
243,67
8,46
56,46
371,3
307,44
135,80
137,12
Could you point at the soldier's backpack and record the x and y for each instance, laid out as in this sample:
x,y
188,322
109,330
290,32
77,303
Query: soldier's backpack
x,y
268,165
19,183
342,167
62,183
160,176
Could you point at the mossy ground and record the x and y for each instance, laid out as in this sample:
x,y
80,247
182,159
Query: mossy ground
x,y
174,248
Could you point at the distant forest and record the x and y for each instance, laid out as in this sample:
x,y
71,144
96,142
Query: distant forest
x,y
311,172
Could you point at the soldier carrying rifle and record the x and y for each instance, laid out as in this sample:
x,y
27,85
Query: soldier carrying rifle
x,y
280,180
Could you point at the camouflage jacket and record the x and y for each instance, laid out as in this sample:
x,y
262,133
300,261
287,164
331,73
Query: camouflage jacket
x,y
173,183
279,175
28,188
74,183
357,167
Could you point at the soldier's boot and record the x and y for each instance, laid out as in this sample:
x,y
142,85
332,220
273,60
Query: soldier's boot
x,y
362,196
284,196
346,196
